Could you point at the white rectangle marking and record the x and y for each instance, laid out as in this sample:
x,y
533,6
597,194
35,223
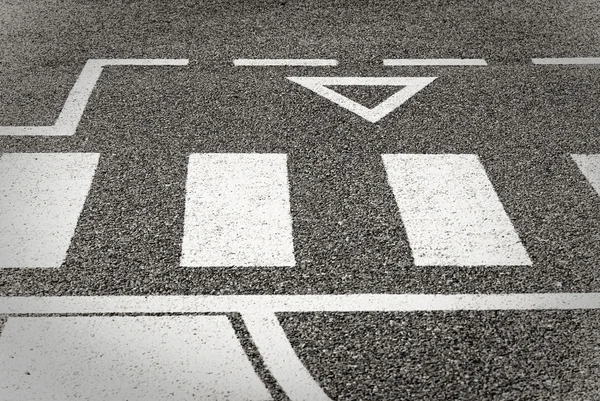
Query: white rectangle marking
x,y
284,62
433,61
237,211
590,167
125,358
41,197
297,303
567,60
451,212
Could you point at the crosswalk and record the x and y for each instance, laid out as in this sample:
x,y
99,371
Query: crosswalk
x,y
237,209
238,214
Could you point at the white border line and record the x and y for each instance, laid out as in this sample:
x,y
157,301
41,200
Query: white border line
x,y
271,62
433,61
567,61
297,303
68,119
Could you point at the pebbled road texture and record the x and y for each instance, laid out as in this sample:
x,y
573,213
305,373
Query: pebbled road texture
x,y
522,120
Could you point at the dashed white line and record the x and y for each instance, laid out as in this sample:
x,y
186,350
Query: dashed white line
x,y
41,197
297,303
567,60
269,62
74,106
433,61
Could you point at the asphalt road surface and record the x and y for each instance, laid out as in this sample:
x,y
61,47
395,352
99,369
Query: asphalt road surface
x,y
177,223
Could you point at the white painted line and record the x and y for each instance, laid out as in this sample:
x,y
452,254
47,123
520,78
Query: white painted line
x,y
590,167
41,197
280,358
411,85
297,303
451,212
573,60
265,62
237,211
434,61
125,358
74,106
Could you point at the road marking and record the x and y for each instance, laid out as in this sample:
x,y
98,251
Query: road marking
x,y
270,62
254,304
434,61
280,358
237,211
124,357
590,167
451,212
68,119
41,197
573,60
411,85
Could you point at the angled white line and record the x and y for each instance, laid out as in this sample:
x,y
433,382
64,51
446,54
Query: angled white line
x,y
298,303
590,167
567,60
72,110
281,359
411,85
274,62
434,61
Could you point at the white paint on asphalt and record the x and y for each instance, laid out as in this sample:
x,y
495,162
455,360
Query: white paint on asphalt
x,y
451,212
590,167
125,358
567,60
297,303
41,197
237,211
270,62
72,111
281,359
434,61
410,86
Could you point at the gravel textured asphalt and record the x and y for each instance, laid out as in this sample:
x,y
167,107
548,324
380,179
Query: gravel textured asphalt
x,y
523,121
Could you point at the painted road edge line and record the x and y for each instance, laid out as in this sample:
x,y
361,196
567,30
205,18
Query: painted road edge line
x,y
76,102
281,359
296,303
273,62
567,60
433,61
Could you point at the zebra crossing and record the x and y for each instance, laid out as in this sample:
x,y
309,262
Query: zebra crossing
x,y
237,209
238,215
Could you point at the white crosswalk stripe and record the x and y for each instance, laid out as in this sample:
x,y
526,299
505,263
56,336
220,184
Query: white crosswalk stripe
x,y
451,212
237,211
41,197
590,167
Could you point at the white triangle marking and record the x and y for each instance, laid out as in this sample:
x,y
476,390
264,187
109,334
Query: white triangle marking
x,y
411,85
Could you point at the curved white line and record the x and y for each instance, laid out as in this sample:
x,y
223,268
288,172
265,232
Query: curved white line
x,y
280,358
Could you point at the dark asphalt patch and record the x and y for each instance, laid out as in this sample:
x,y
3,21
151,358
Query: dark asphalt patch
x,y
492,355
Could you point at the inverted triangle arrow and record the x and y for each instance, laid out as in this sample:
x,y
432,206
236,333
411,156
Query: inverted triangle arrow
x,y
410,86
